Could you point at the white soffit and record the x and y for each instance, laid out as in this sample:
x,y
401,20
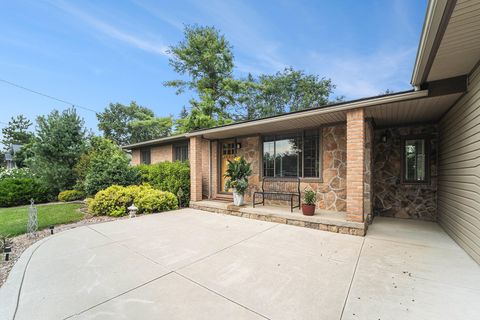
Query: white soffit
x,y
428,109
459,50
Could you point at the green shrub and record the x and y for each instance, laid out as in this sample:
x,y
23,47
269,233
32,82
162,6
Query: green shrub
x,y
115,200
16,173
168,176
70,195
18,191
104,164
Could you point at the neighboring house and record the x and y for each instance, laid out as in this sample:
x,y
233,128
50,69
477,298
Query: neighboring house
x,y
413,154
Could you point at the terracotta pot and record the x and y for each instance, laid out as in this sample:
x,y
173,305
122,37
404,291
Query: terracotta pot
x,y
308,209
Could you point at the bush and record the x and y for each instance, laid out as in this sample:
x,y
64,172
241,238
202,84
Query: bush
x,y
18,191
70,195
103,165
115,200
16,173
168,176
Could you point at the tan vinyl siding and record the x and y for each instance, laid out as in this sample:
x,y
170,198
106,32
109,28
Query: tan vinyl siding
x,y
459,170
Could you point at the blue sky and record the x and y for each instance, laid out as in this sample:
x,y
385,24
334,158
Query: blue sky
x,y
96,52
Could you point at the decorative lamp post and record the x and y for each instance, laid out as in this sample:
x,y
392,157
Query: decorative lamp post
x,y
179,197
7,250
132,211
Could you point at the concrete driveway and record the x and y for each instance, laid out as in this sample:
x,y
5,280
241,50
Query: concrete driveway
x,y
190,264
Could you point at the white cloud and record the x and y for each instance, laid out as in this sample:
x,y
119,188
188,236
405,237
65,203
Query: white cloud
x,y
148,45
359,76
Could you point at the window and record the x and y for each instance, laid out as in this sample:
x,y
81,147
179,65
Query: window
x,y
292,155
415,162
145,156
180,152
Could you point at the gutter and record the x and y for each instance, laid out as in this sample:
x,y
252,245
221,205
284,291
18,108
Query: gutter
x,y
155,141
327,109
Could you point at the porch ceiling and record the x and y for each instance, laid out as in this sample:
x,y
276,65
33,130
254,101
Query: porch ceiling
x,y
428,109
423,109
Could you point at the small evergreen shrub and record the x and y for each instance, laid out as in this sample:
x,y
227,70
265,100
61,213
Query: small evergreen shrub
x,y
70,195
168,176
115,200
18,191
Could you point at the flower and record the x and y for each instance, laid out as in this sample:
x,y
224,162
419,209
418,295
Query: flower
x,y
237,159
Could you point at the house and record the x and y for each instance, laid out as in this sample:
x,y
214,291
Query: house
x,y
412,154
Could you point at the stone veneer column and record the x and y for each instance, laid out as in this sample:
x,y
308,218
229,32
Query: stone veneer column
x,y
195,168
355,164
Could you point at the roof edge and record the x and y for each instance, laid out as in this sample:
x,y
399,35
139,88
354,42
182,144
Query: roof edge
x,y
343,106
155,141
436,20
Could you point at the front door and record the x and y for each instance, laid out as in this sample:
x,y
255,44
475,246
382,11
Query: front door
x,y
227,152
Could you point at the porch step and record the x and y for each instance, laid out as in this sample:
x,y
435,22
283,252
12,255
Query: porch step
x,y
322,220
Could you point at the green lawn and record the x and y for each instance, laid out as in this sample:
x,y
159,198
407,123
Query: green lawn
x,y
13,221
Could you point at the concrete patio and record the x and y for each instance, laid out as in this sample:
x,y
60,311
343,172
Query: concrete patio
x,y
191,264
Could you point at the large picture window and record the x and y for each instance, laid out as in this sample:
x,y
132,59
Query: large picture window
x,y
415,160
292,155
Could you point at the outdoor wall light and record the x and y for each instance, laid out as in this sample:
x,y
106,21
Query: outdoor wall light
x,y
384,137
239,145
7,250
51,229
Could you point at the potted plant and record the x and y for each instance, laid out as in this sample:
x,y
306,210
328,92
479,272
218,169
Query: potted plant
x,y
308,205
237,173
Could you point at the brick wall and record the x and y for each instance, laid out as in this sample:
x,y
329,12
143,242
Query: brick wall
x,y
161,153
196,168
355,164
135,157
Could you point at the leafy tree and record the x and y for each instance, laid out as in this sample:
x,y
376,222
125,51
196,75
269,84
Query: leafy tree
x,y
206,57
57,148
133,123
102,165
285,91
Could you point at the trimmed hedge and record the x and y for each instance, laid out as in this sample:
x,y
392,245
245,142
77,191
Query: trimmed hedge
x,y
168,176
115,200
18,191
70,195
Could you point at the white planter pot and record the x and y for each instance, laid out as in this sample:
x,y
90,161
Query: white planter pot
x,y
238,199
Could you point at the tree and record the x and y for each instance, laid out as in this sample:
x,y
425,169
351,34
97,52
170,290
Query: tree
x,y
206,57
59,143
133,123
285,91
102,165
16,132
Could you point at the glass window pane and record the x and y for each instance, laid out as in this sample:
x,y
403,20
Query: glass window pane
x,y
287,156
268,158
415,160
145,156
311,157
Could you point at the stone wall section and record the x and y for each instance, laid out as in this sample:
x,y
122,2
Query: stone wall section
x,y
393,198
331,189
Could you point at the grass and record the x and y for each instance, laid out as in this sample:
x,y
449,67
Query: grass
x,y
13,221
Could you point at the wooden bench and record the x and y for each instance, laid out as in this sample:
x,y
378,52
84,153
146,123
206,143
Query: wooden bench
x,y
286,189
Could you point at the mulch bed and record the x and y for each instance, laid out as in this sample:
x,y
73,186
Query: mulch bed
x,y
22,242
